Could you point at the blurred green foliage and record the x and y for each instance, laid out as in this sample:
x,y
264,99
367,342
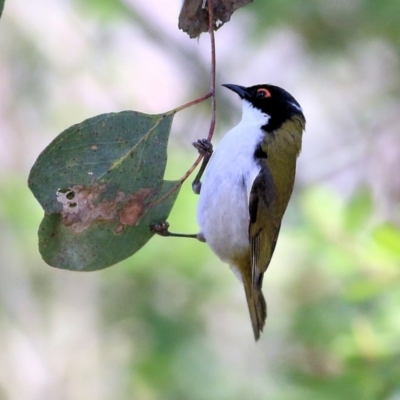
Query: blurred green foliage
x,y
171,322
331,25
345,329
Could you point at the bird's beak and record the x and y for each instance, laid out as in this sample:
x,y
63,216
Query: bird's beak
x,y
240,90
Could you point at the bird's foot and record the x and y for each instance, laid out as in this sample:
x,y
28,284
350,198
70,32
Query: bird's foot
x,y
160,228
204,147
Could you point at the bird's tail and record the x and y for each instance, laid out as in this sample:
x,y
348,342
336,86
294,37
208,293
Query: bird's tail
x,y
257,307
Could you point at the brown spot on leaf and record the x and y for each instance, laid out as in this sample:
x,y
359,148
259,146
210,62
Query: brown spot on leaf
x,y
193,18
134,208
82,208
119,228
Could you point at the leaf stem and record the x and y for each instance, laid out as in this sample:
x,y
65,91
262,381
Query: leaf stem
x,y
211,94
191,103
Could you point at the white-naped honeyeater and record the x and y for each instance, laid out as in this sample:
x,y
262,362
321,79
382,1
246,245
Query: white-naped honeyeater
x,y
247,186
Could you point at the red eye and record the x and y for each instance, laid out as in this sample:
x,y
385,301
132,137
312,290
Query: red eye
x,y
262,93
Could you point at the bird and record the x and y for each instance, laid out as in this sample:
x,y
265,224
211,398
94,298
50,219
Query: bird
x,y
246,187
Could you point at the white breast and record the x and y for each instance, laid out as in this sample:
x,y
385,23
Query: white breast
x,y
222,212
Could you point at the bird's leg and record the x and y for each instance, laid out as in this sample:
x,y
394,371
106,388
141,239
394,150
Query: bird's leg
x,y
162,230
205,148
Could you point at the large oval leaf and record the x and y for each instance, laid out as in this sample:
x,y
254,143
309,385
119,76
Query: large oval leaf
x,y
98,182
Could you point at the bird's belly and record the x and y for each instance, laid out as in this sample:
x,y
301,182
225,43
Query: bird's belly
x,y
223,212
224,222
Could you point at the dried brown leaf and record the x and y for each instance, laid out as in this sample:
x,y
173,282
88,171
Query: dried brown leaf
x,y
193,18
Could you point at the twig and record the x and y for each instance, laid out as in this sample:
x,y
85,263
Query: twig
x,y
211,94
191,103
213,68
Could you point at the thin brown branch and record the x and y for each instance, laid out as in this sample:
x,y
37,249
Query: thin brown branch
x,y
213,67
211,94
191,103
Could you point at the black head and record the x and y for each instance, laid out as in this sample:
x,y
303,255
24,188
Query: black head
x,y
271,100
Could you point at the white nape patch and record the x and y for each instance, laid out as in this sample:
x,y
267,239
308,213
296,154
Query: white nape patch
x,y
253,116
296,106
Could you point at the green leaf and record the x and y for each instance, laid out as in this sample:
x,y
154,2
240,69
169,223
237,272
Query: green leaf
x,y
100,245
99,182
1,6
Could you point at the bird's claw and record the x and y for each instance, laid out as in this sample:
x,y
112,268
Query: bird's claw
x,y
160,228
204,147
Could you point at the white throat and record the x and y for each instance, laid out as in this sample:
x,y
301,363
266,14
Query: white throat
x,y
253,116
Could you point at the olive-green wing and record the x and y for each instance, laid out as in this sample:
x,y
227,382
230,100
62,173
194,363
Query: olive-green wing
x,y
264,224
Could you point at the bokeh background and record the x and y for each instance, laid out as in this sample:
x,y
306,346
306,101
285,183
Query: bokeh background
x,y
171,322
